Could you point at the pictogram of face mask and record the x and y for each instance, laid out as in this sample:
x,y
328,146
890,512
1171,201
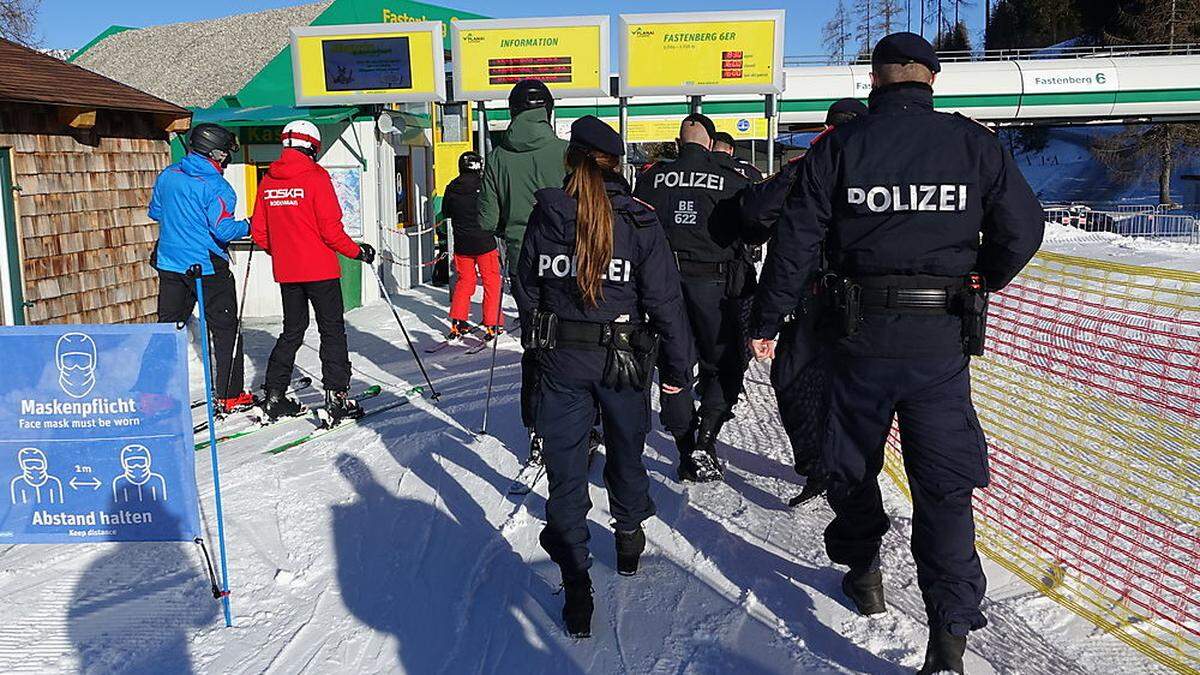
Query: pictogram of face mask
x,y
75,356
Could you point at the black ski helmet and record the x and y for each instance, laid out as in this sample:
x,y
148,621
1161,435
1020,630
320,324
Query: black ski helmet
x,y
213,141
470,162
527,95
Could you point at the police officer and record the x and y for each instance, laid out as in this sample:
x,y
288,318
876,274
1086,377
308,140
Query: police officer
x,y
529,158
723,147
695,198
599,296
798,372
920,213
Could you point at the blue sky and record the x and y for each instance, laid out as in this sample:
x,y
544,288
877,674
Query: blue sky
x,y
71,23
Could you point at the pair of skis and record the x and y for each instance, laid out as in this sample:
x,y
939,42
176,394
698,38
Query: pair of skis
x,y
254,411
367,394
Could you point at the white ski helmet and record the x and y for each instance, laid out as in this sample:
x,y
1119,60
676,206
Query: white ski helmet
x,y
302,135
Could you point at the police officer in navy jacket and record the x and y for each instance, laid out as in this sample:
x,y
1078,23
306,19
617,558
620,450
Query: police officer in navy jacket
x,y
598,286
695,198
920,213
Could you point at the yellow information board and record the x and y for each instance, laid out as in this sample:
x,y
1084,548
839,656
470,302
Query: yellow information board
x,y
368,63
569,54
702,53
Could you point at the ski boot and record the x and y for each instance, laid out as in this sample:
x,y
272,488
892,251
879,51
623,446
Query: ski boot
x,y
492,332
339,406
243,401
578,606
535,449
629,550
864,587
276,404
944,653
458,330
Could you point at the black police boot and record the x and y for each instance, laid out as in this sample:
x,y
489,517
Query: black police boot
x,y
535,449
865,588
944,653
815,486
629,550
578,606
339,406
686,444
705,454
276,404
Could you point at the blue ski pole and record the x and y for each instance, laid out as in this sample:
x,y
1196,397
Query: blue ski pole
x,y
195,272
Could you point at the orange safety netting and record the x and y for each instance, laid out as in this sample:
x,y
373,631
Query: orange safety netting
x,y
1090,397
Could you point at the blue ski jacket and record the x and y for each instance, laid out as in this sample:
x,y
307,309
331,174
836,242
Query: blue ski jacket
x,y
193,205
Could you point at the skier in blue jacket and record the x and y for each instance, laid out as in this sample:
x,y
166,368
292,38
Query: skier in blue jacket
x,y
194,205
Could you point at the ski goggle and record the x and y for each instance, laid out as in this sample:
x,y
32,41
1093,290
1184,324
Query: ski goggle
x,y
33,464
140,462
76,361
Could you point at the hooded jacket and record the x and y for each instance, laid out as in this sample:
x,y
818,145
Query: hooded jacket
x,y
298,221
461,206
530,158
193,205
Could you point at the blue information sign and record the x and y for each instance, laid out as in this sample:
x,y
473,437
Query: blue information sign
x,y
96,435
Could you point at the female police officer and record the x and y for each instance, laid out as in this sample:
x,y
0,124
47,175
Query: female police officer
x,y
597,281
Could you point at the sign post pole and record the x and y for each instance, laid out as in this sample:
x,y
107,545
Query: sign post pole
x,y
483,130
697,103
195,271
770,113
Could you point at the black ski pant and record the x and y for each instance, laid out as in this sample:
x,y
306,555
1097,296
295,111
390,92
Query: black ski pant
x,y
715,320
326,300
566,410
800,377
945,458
177,298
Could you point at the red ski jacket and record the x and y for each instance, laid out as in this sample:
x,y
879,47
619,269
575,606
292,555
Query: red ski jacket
x,y
298,220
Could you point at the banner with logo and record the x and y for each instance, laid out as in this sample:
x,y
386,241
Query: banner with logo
x,y
96,438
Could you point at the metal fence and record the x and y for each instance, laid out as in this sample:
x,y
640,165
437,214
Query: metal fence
x,y
1166,222
1024,54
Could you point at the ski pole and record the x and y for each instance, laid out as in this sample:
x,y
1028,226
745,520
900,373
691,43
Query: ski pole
x,y
195,272
487,406
412,348
237,340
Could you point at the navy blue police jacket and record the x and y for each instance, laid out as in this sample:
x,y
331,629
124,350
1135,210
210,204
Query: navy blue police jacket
x,y
641,283
695,198
903,191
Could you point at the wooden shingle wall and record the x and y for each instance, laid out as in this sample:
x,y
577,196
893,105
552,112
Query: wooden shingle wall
x,y
82,200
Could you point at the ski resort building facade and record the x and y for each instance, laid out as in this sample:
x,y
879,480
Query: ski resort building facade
x,y
78,157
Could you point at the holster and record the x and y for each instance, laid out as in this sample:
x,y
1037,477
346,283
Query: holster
x,y
842,306
972,306
632,354
545,331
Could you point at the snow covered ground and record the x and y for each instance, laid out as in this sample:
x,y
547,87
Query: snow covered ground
x,y
393,547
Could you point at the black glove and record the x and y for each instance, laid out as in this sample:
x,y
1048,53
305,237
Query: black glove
x,y
366,253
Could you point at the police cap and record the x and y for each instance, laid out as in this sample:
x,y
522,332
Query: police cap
x,y
590,132
704,121
724,137
843,110
903,48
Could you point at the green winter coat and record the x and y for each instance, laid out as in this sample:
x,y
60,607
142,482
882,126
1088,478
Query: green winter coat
x,y
529,158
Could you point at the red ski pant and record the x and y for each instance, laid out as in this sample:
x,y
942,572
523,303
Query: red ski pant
x,y
488,266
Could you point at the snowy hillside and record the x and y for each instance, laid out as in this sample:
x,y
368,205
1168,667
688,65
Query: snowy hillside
x,y
393,547
1066,171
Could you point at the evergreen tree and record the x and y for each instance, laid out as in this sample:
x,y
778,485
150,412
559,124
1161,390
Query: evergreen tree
x,y
1021,24
956,39
1160,147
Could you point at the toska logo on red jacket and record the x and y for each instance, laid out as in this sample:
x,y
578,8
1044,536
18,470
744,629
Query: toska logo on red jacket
x,y
293,194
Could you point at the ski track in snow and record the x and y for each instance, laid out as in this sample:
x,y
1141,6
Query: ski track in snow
x,y
394,547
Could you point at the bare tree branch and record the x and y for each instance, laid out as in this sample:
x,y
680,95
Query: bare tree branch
x,y
18,21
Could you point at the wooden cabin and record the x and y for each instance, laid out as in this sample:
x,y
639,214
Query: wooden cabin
x,y
79,153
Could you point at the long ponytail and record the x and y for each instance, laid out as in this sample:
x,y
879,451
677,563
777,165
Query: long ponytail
x,y
593,219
